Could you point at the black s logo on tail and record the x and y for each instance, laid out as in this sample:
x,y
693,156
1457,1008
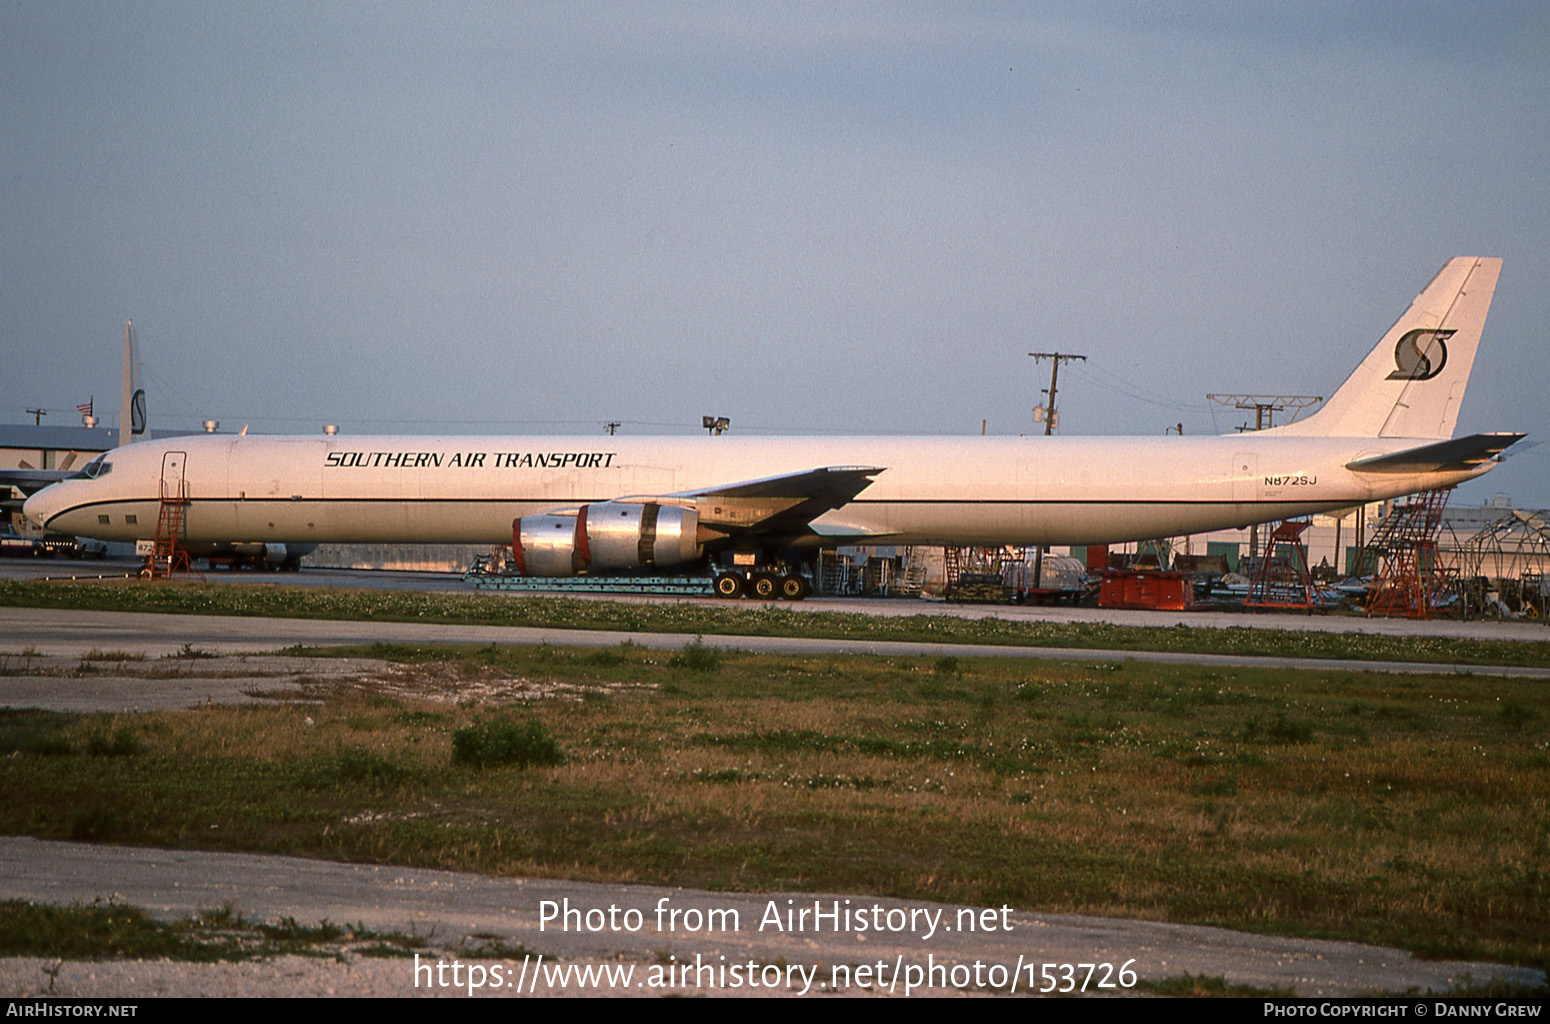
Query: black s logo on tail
x,y
1421,354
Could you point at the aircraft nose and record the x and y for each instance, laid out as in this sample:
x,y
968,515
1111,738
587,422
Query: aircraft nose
x,y
40,507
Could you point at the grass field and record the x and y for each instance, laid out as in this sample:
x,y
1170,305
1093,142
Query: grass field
x,y
706,618
1412,811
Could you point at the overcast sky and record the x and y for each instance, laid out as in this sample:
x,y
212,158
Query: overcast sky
x,y
827,218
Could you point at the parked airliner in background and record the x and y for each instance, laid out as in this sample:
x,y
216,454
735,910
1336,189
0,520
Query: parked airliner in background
x,y
572,505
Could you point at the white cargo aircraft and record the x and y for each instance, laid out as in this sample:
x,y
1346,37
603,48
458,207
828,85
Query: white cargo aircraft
x,y
761,506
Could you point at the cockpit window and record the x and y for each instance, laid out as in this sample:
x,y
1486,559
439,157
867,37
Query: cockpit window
x,y
98,467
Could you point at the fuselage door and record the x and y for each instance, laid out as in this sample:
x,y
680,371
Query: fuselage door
x,y
173,484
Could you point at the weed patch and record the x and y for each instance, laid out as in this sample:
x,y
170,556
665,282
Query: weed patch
x,y
121,742
1280,730
695,656
352,768
106,929
503,741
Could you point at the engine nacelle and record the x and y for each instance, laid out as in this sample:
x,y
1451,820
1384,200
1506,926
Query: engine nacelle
x,y
611,536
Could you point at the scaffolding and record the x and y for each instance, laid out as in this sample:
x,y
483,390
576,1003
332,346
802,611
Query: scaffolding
x,y
1281,578
1516,544
1156,553
878,575
1507,558
834,574
1409,580
912,579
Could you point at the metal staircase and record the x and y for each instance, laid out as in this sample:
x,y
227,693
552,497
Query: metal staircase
x,y
168,556
1409,579
1281,580
913,580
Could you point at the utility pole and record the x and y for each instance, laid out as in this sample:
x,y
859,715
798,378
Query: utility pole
x,y
1050,416
612,425
1266,406
37,416
1048,411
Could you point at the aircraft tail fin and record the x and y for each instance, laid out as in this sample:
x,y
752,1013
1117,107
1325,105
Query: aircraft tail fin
x,y
1412,383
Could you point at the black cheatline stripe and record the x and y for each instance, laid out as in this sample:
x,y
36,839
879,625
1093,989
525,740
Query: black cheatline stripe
x,y
1332,502
509,500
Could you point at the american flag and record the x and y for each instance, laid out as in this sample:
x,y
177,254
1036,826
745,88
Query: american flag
x,y
85,410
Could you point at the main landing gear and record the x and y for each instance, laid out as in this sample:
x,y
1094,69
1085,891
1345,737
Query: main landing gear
x,y
762,585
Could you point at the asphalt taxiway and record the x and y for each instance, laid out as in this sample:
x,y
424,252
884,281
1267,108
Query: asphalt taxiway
x,y
570,922
63,632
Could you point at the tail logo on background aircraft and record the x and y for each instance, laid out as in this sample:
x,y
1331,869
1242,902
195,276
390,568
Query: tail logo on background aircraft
x,y
1413,355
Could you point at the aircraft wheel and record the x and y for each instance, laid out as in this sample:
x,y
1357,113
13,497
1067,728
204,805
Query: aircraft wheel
x,y
729,584
765,586
794,588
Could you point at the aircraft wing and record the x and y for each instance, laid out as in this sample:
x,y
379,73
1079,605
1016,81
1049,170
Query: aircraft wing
x,y
27,480
779,505
1460,453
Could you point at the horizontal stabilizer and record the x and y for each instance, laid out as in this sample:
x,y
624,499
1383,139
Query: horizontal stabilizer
x,y
1457,455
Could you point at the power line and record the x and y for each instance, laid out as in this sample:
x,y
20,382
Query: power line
x,y
1121,386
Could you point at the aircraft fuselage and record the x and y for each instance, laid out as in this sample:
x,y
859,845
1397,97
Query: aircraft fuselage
x,y
953,491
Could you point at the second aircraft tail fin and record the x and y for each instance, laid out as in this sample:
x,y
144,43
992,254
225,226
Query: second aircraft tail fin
x,y
1411,385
